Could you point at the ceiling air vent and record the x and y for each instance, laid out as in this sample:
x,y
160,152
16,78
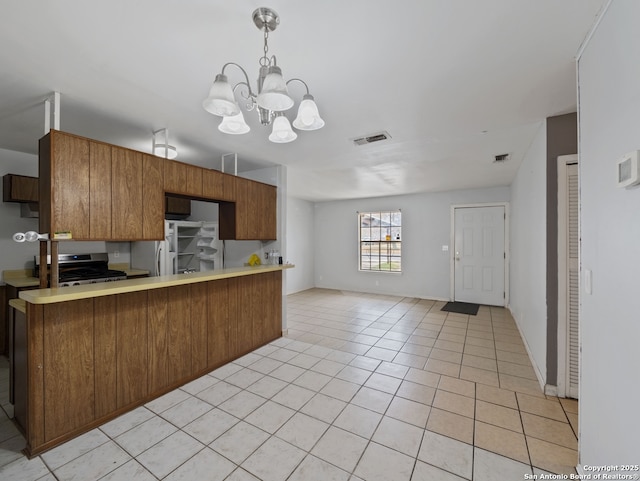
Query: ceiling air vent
x,y
369,139
499,159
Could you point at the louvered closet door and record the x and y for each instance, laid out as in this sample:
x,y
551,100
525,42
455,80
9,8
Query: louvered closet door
x,y
573,276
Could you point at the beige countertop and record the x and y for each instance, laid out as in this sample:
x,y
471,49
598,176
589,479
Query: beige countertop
x,y
18,304
72,293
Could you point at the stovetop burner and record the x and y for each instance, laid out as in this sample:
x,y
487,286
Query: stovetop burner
x,y
78,269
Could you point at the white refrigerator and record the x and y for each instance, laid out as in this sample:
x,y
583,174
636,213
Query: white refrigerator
x,y
188,247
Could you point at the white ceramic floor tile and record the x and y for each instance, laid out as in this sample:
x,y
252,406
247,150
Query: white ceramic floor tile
x,y
383,383
207,464
241,475
340,448
200,384
242,404
340,389
265,365
239,442
324,408
210,426
312,380
380,463
145,435
304,361
244,378
409,411
169,453
365,363
293,396
330,368
314,469
267,387
486,464
270,416
94,464
74,448
399,436
372,399
392,369
10,450
358,420
446,453
129,471
302,431
218,393
354,374
168,400
427,472
275,460
226,370
287,372
127,421
186,411
23,468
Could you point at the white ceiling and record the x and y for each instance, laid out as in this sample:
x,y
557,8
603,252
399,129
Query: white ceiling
x,y
454,82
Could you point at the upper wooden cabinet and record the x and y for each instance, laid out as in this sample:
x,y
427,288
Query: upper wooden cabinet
x,y
99,191
19,188
181,178
253,215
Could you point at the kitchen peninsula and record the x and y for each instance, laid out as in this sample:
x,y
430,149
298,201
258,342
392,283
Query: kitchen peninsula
x,y
86,354
90,353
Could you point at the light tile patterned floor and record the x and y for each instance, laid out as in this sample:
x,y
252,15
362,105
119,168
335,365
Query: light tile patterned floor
x,y
365,387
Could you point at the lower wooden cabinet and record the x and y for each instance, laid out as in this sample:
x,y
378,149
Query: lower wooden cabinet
x,y
84,362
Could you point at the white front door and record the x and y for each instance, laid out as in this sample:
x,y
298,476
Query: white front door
x,y
479,255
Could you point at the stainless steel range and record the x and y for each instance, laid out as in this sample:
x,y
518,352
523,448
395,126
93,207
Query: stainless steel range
x,y
78,269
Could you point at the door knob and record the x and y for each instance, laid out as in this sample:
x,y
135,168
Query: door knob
x,y
457,256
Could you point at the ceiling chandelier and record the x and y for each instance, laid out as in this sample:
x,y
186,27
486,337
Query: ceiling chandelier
x,y
272,98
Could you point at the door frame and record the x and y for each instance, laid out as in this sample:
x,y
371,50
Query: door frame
x,y
507,249
563,323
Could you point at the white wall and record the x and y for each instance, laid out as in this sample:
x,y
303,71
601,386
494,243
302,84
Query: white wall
x,y
301,245
426,227
609,97
527,268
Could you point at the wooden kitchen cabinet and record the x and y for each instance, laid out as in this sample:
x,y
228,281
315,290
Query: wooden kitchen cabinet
x,y
99,191
219,186
152,198
183,179
126,194
19,188
64,184
100,180
253,215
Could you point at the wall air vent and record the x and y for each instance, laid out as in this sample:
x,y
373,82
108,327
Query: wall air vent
x,y
369,139
499,159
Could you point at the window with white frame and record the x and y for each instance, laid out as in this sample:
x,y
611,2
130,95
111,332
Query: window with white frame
x,y
380,241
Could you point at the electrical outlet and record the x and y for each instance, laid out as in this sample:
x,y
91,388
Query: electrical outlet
x,y
116,254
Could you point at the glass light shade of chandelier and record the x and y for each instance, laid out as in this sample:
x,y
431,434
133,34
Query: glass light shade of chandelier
x,y
282,132
272,97
234,124
220,100
308,116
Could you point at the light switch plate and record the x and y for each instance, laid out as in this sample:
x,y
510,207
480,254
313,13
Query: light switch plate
x,y
445,248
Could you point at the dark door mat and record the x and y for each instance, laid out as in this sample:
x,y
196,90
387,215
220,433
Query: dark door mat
x,y
461,308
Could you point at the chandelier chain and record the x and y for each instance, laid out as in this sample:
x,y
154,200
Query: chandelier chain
x,y
264,61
